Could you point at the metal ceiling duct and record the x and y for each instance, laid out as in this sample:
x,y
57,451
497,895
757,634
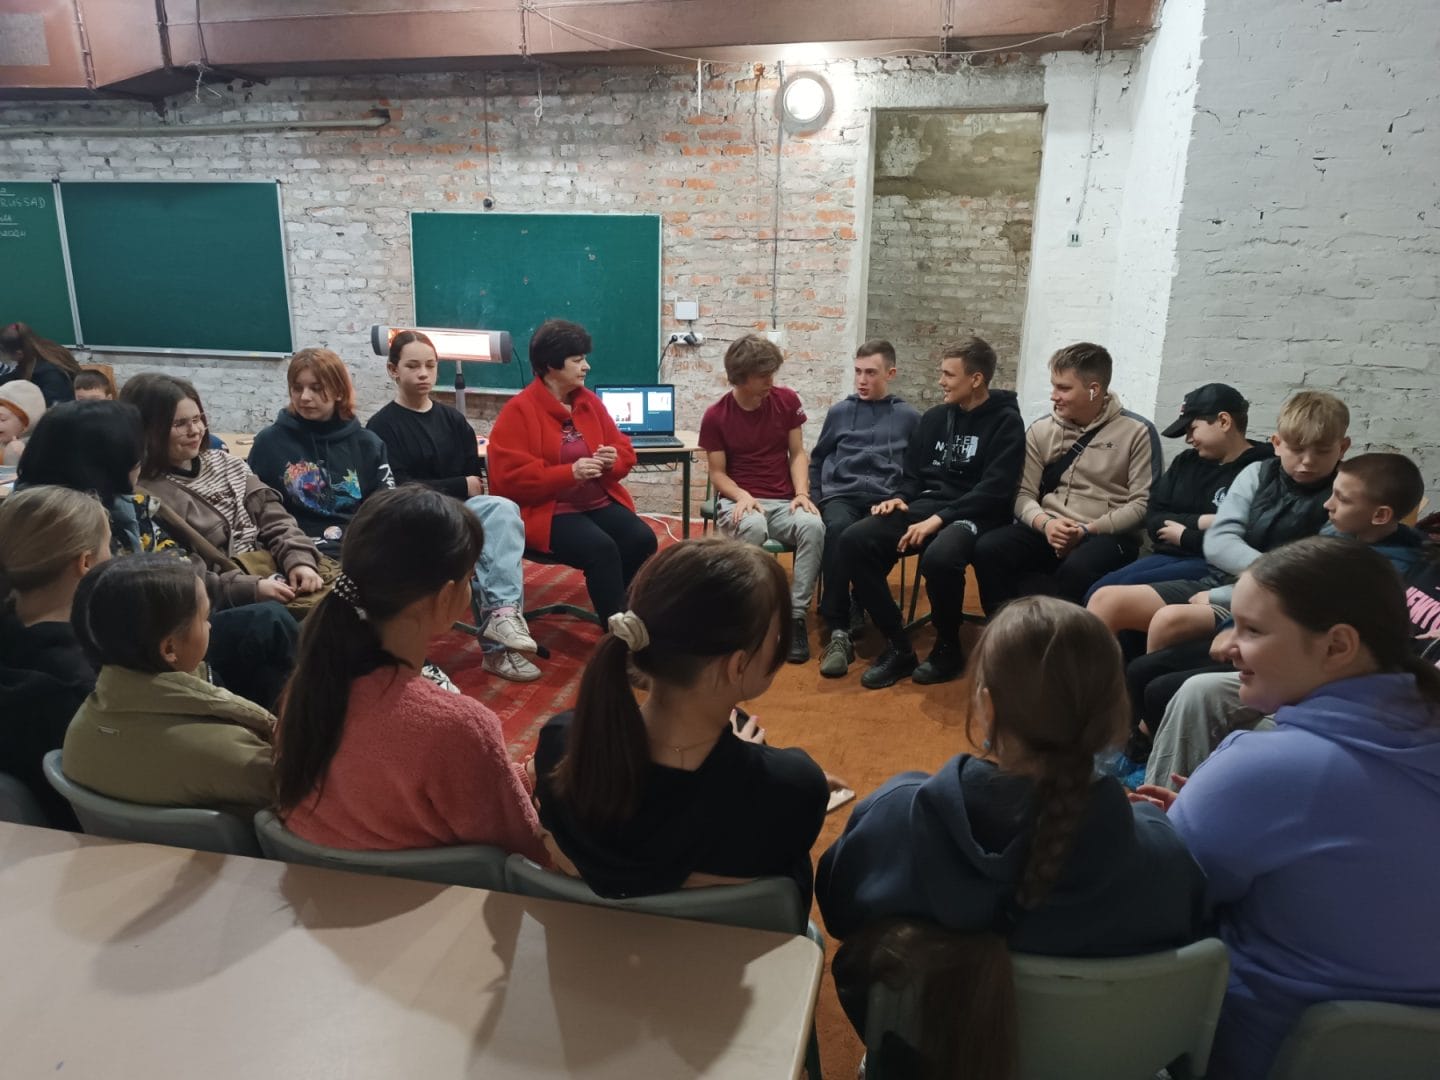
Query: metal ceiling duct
x,y
152,48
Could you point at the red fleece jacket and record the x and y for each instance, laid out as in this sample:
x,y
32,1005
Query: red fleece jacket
x,y
523,457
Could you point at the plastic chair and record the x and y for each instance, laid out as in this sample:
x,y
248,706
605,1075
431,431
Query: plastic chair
x,y
1338,1040
1077,1019
18,804
476,865
185,827
771,903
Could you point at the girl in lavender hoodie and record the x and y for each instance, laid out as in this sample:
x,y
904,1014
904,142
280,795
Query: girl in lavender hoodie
x,y
1317,838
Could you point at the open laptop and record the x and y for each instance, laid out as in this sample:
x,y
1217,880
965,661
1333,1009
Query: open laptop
x,y
646,414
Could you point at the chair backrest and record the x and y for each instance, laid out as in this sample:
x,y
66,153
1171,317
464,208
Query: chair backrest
x,y
476,865
1338,1040
1114,1019
770,903
1119,1018
203,830
18,803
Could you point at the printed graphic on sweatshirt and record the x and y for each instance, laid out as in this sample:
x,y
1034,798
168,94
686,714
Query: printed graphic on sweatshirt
x,y
313,488
962,450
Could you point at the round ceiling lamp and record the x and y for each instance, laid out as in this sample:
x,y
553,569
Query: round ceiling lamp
x,y
806,102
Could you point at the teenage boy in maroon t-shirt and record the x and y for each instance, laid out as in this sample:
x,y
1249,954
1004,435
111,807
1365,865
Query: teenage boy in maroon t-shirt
x,y
753,441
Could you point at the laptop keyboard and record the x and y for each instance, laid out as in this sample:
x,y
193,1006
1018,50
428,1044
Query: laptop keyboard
x,y
653,442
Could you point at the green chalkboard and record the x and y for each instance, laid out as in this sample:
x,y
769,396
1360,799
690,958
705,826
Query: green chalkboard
x,y
33,288
195,267
514,271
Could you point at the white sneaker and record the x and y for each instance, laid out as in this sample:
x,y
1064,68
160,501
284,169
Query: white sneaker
x,y
438,677
509,664
509,630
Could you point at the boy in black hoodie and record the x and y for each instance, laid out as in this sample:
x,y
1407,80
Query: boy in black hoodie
x,y
962,468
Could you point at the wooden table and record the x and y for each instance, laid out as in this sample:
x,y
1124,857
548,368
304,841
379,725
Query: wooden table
x,y
128,961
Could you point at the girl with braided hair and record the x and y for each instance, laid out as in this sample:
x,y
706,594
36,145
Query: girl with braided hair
x,y
1026,848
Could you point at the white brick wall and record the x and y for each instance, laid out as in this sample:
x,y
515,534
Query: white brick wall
x,y
1309,236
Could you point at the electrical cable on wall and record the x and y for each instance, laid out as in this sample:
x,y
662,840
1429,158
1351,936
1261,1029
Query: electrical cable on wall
x,y
1094,110
775,232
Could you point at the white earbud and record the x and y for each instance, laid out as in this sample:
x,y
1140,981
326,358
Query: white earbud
x,y
1092,393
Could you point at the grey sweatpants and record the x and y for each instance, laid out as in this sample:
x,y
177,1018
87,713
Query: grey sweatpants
x,y
803,531
1201,712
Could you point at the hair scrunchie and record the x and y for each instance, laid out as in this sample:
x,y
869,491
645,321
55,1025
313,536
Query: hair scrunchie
x,y
347,590
629,628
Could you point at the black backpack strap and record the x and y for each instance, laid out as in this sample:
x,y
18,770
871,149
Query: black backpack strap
x,y
1054,472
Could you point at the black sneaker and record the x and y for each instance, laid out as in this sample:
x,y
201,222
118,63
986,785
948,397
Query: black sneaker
x,y
946,662
839,653
799,642
889,667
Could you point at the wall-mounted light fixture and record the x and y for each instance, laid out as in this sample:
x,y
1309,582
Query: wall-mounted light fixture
x,y
805,102
477,346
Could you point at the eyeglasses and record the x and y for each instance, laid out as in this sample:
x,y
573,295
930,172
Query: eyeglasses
x,y
196,422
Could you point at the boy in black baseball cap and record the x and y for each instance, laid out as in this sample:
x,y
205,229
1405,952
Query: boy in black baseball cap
x,y
1184,500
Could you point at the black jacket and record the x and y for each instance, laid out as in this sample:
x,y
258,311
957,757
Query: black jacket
x,y
56,384
44,677
1283,510
1192,487
965,466
436,447
322,470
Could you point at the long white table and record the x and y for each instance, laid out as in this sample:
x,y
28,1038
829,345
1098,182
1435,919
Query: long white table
x,y
135,962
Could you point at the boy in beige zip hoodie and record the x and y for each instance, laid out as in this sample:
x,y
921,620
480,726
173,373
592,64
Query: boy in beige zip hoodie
x,y
1080,510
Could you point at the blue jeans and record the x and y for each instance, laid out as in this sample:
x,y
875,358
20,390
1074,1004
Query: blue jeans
x,y
1154,568
499,569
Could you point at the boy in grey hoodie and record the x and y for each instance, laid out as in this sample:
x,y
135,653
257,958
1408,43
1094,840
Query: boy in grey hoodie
x,y
856,464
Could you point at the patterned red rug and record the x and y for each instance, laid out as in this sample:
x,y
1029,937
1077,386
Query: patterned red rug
x,y
524,707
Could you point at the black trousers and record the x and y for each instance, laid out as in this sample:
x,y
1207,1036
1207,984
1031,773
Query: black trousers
x,y
839,515
1155,678
252,650
608,545
868,552
1018,561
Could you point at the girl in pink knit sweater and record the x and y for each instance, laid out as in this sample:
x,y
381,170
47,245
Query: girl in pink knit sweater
x,y
371,754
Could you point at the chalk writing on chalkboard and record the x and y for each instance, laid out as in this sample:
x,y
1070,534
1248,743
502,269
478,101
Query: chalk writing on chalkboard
x,y
11,201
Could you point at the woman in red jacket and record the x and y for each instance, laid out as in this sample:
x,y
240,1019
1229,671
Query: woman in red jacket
x,y
555,451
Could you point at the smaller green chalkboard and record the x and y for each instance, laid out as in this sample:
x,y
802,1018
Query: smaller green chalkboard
x,y
33,286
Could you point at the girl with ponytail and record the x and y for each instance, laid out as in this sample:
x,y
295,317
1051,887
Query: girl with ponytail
x,y
649,797
1026,848
371,754
1317,838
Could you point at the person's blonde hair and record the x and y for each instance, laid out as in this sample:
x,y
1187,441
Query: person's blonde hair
x,y
1313,418
332,375
42,529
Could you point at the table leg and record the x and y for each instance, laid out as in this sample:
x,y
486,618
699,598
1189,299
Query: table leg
x,y
685,497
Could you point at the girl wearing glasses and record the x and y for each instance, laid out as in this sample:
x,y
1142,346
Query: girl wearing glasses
x,y
219,497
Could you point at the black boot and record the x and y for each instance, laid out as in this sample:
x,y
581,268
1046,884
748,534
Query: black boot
x,y
799,642
892,665
946,662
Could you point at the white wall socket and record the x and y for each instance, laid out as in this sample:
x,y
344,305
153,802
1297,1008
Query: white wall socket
x,y
687,310
777,336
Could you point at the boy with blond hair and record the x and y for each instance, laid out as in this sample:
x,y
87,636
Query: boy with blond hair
x,y
1270,503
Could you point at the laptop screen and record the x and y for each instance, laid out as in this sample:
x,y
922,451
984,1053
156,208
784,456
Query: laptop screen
x,y
640,410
